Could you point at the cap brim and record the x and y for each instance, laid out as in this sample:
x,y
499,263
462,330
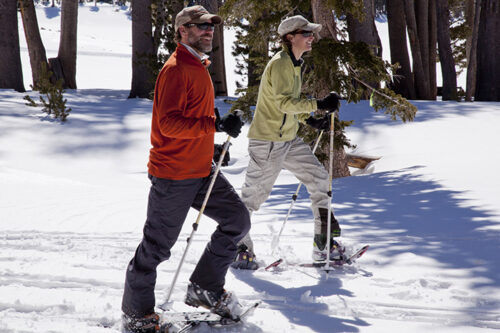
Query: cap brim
x,y
215,19
313,27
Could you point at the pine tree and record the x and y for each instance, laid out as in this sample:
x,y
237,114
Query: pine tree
x,y
51,95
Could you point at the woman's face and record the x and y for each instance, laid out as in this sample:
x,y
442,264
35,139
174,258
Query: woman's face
x,y
301,41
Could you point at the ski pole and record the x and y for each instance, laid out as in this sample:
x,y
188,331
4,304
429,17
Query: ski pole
x,y
330,179
164,306
276,239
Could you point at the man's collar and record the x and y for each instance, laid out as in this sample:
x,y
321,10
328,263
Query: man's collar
x,y
202,58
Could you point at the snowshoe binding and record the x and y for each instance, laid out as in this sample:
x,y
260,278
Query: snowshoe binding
x,y
245,259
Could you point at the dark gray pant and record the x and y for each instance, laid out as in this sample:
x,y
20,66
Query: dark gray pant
x,y
169,203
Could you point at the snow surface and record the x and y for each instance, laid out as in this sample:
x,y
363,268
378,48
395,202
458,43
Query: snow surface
x,y
73,202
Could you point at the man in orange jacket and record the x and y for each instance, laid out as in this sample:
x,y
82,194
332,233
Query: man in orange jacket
x,y
180,168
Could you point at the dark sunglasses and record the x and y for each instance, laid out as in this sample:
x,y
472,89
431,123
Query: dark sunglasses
x,y
303,33
201,26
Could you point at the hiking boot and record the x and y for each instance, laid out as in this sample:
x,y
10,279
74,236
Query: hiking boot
x,y
245,259
319,249
146,324
223,303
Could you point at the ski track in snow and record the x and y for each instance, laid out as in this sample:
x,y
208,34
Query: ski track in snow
x,y
87,279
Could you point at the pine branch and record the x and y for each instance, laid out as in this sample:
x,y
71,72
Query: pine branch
x,y
355,77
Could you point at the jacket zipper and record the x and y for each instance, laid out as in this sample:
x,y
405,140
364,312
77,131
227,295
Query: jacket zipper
x,y
282,124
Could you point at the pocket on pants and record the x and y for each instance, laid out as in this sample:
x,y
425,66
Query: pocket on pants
x,y
260,150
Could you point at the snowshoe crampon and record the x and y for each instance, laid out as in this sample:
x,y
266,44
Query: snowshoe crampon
x,y
177,322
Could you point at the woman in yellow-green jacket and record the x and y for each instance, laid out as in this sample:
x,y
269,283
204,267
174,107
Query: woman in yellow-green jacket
x,y
274,144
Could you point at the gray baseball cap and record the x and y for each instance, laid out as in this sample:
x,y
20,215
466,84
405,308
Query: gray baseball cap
x,y
195,14
297,22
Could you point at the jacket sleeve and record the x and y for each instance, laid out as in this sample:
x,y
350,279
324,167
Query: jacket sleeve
x,y
171,98
282,80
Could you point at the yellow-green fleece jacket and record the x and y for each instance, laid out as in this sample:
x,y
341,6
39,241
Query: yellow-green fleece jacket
x,y
279,106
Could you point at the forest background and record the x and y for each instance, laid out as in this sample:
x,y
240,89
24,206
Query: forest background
x,y
461,35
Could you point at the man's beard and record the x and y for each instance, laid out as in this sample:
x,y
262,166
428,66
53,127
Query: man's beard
x,y
200,45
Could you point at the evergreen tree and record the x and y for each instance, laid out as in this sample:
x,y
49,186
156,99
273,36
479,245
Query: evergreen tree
x,y
51,95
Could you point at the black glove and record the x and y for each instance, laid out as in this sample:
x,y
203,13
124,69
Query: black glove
x,y
322,124
331,102
218,151
229,123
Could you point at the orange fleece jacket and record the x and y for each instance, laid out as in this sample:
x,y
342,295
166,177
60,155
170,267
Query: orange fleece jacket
x,y
183,123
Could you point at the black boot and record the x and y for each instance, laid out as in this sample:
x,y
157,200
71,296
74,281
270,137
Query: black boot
x,y
334,224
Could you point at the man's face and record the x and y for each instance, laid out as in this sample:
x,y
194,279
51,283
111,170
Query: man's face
x,y
198,38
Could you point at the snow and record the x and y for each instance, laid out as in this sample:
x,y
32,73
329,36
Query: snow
x,y
73,201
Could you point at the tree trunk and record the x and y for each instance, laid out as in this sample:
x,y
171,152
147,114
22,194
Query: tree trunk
x,y
366,32
36,49
217,68
67,44
403,82
142,49
324,16
422,20
488,49
432,48
321,13
160,11
469,22
11,72
472,58
421,79
445,52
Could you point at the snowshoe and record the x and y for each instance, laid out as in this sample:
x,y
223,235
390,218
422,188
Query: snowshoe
x,y
147,324
223,303
176,322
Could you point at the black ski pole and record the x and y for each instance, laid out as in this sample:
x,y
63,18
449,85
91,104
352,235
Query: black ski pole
x,y
330,179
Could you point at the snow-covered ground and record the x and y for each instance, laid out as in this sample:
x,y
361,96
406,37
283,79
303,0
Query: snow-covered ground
x,y
73,202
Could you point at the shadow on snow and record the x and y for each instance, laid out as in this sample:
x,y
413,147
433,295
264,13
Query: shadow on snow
x,y
398,212
314,315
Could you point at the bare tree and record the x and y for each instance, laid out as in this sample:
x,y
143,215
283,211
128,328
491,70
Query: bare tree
x,y
36,49
321,13
445,52
472,54
67,42
366,31
403,82
11,72
142,49
432,48
421,76
217,68
422,20
488,49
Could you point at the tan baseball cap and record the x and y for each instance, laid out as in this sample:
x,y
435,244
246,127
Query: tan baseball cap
x,y
195,14
297,22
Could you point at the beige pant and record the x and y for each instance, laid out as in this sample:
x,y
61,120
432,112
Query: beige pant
x,y
267,158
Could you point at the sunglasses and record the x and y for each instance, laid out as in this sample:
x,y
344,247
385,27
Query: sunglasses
x,y
201,26
303,33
